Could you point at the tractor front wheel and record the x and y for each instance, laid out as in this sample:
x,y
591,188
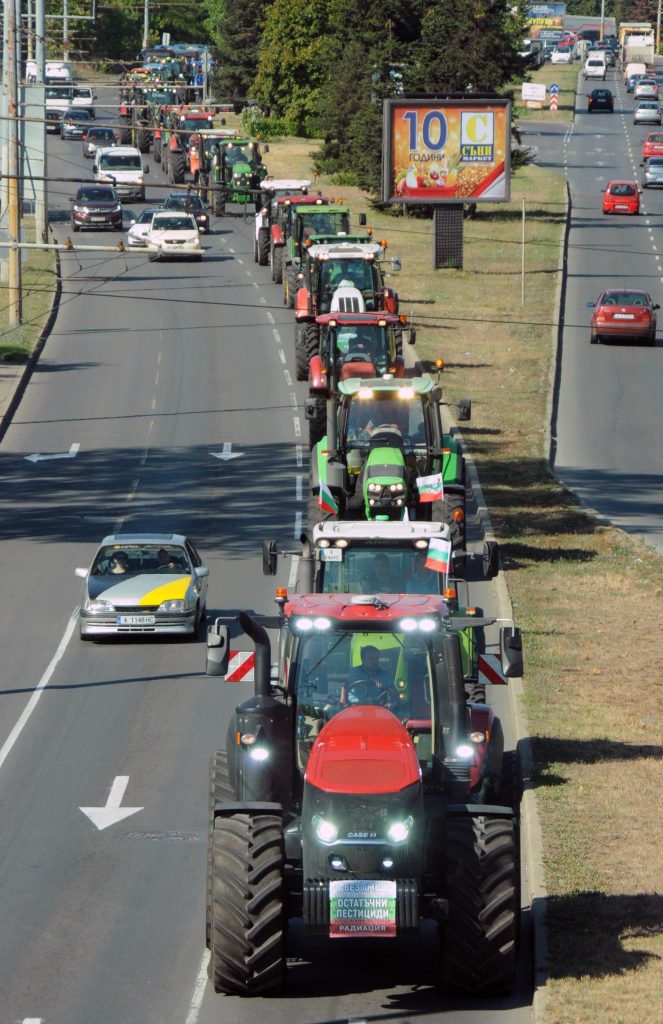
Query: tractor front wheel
x,y
291,287
312,339
277,265
263,247
301,353
220,791
176,168
481,884
248,919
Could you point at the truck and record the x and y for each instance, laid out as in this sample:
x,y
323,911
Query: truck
x,y
639,48
360,791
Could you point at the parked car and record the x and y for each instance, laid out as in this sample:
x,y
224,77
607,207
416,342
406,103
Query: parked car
x,y
173,235
647,112
98,138
646,88
143,584
600,99
97,207
620,313
561,55
652,175
74,124
190,202
140,226
621,197
653,145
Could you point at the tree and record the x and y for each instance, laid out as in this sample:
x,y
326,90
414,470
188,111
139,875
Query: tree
x,y
235,27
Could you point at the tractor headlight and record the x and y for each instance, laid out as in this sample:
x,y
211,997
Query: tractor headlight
x,y
258,753
400,830
374,488
98,606
464,750
324,830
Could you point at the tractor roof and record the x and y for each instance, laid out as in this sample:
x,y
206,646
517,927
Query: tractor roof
x,y
367,317
413,385
361,610
344,251
218,133
302,200
276,184
377,533
328,206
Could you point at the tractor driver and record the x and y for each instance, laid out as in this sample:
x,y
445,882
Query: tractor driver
x,y
368,681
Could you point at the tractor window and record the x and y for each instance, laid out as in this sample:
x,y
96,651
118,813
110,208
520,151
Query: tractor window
x,y
354,571
364,416
333,671
323,223
364,343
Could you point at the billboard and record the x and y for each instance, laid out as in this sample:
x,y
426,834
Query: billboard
x,y
545,15
446,151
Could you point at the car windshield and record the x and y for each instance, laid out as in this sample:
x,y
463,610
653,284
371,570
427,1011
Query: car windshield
x,y
184,203
654,138
140,559
362,570
77,115
59,92
625,299
400,416
121,162
182,223
101,133
655,162
105,195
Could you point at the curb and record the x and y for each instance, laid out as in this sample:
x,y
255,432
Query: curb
x,y
22,379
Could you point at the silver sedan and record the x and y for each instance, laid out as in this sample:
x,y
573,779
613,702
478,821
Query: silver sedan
x,y
647,112
147,583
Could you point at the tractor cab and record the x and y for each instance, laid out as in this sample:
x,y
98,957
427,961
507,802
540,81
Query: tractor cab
x,y
355,345
354,267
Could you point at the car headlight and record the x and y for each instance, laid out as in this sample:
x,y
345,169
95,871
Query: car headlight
x,y
324,830
203,216
118,208
174,605
81,209
97,606
400,830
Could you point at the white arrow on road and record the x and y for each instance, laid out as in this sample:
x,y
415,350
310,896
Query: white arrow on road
x,y
71,454
227,452
102,817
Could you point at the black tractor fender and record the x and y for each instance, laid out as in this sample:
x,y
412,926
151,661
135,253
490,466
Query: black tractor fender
x,y
226,810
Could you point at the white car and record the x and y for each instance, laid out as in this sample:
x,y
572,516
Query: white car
x,y
562,55
595,67
646,89
173,234
84,99
137,233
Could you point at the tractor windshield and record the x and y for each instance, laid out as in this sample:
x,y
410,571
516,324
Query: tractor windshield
x,y
335,670
358,273
399,410
327,223
242,154
365,570
355,343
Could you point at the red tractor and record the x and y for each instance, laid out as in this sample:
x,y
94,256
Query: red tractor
x,y
360,791
179,124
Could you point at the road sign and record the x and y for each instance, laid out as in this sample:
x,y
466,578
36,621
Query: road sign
x,y
553,89
553,102
240,667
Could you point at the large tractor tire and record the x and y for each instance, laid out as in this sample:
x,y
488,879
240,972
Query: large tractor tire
x,y
220,791
125,135
248,919
143,140
479,938
277,265
291,288
317,427
156,150
218,203
263,247
301,353
312,340
176,167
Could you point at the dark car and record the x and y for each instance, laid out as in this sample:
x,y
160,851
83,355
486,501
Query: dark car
x,y
97,207
191,203
98,138
74,124
600,99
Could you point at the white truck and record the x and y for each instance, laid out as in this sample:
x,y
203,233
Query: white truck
x,y
123,168
639,49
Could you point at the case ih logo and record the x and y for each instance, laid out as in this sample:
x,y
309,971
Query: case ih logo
x,y
240,666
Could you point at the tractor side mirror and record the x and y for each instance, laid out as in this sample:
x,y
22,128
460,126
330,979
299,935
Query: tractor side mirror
x,y
269,558
146,169
362,220
491,559
464,410
511,651
217,649
396,264
265,148
410,336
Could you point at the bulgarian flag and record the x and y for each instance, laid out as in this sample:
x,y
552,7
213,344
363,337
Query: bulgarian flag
x,y
326,499
439,555
430,488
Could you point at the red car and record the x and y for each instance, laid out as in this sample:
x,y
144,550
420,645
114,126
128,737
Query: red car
x,y
621,197
653,145
619,313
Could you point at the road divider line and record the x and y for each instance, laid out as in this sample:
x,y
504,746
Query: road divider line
x,y
298,525
299,455
198,991
288,378
23,718
299,481
270,317
297,425
282,355
277,336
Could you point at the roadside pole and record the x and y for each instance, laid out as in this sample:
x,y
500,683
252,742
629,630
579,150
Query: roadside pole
x,y
41,187
65,30
13,186
146,24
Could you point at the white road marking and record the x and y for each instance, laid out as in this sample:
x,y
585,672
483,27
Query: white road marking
x,y
249,273
277,336
288,378
38,690
71,454
198,991
255,284
239,259
32,1020
282,355
143,459
294,566
111,813
154,402
294,399
156,379
298,426
299,455
270,317
232,250
227,454
150,428
298,525
298,486
159,359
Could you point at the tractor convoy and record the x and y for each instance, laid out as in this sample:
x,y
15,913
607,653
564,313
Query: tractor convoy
x,y
364,787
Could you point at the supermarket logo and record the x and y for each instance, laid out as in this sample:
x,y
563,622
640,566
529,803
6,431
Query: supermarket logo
x,y
477,136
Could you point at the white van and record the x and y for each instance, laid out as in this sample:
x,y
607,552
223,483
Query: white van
x,y
84,99
122,167
595,67
634,68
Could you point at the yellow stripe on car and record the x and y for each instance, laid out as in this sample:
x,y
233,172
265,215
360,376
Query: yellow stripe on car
x,y
171,591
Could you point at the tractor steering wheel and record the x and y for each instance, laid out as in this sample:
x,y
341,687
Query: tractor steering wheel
x,y
358,692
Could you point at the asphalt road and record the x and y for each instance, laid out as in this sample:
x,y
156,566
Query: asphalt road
x,y
150,369
609,413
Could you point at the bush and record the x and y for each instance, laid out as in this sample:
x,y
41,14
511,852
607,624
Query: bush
x,y
254,122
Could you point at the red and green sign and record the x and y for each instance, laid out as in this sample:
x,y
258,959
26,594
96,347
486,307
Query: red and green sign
x,y
362,908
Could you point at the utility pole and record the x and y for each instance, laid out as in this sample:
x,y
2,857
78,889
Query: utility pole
x,y
65,30
658,27
146,24
13,164
41,188
602,18
30,33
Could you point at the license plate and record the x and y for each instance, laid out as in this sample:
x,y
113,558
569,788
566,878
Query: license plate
x,y
362,909
98,220
620,206
136,620
331,554
624,316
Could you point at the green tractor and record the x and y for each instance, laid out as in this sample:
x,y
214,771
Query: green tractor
x,y
301,226
237,172
385,455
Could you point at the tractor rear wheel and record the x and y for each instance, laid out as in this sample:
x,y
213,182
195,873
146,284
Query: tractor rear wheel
x,y
263,247
176,167
301,353
156,151
220,791
312,340
291,287
277,265
143,140
248,919
481,883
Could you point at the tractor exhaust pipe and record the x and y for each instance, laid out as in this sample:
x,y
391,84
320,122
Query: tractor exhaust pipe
x,y
263,647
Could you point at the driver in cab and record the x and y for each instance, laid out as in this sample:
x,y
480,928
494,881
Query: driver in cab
x,y
367,682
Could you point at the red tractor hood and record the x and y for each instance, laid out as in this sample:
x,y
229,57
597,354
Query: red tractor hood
x,y
363,750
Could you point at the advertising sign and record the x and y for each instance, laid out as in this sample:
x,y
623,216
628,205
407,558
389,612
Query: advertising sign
x,y
446,151
534,91
545,15
362,908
